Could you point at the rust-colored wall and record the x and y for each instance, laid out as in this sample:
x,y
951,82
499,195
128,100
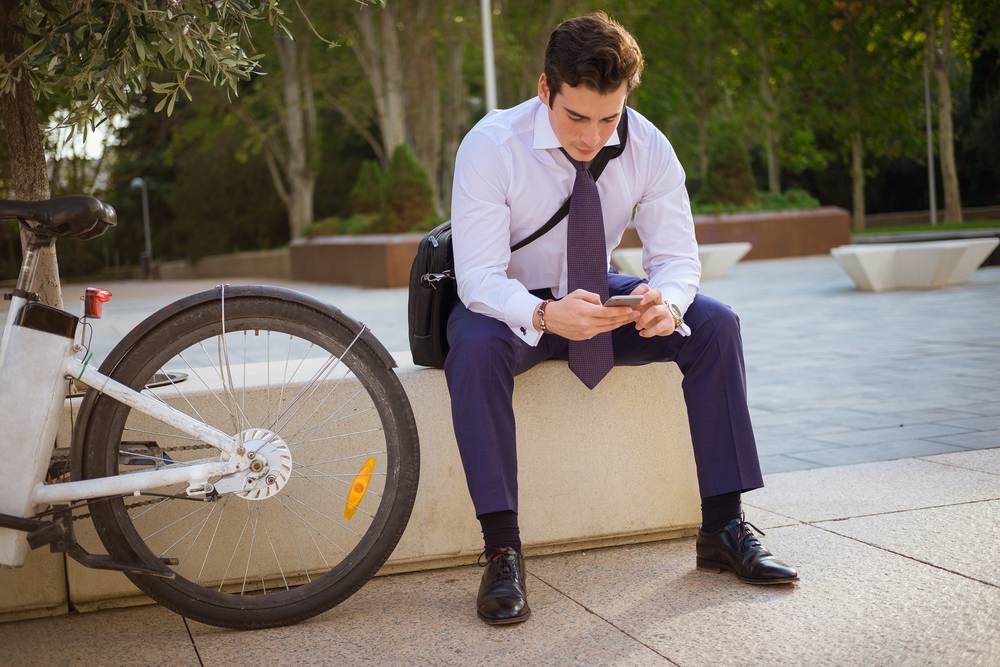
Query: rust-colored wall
x,y
772,233
384,260
376,260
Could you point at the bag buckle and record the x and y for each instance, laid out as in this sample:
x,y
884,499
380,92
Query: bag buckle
x,y
432,279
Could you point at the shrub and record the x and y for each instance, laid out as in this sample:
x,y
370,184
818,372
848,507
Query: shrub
x,y
359,223
368,193
324,227
409,200
730,177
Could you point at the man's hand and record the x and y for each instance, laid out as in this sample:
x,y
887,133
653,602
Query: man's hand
x,y
581,316
655,318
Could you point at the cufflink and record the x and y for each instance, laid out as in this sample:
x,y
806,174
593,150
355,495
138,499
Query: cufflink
x,y
524,332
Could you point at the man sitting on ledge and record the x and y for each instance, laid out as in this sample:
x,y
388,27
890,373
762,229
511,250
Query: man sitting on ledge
x,y
545,301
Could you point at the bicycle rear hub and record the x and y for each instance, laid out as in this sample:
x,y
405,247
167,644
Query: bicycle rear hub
x,y
265,469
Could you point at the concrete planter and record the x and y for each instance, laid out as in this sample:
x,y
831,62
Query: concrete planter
x,y
773,234
623,476
369,260
255,264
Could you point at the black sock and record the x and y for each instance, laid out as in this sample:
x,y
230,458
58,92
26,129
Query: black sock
x,y
716,511
500,530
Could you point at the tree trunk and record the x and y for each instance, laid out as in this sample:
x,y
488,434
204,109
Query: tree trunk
x,y
298,121
422,91
378,54
946,134
454,113
771,132
857,180
701,118
26,155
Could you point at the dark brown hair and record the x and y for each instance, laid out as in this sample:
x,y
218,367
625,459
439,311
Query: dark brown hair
x,y
593,50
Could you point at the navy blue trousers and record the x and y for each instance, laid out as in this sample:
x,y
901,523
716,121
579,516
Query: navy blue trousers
x,y
485,355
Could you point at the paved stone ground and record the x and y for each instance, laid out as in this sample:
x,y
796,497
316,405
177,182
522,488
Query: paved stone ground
x,y
897,560
835,376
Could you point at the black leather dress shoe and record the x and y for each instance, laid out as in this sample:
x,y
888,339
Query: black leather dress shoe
x,y
503,593
734,548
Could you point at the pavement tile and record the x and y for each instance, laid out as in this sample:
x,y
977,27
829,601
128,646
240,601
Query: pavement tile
x,y
140,635
984,423
855,604
879,435
429,618
774,463
871,488
973,440
888,451
960,538
762,518
926,416
981,408
769,444
984,460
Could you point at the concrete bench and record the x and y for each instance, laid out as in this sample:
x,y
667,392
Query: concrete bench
x,y
597,468
877,267
716,259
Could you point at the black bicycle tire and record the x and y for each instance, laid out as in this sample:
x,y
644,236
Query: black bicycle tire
x,y
304,601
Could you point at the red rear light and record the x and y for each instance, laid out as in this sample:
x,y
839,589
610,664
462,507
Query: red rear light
x,y
92,301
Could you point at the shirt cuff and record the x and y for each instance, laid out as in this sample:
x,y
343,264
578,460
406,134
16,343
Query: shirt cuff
x,y
519,313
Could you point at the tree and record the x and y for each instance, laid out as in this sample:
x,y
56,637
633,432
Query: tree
x,y
99,55
939,62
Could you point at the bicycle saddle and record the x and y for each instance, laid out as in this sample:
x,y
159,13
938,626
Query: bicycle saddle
x,y
75,216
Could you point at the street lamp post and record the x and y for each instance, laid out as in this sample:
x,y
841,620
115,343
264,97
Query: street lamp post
x,y
147,256
491,78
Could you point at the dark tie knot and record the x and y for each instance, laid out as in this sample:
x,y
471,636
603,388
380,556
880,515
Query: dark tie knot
x,y
580,166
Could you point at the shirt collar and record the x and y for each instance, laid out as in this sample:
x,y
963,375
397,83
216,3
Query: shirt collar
x,y
544,136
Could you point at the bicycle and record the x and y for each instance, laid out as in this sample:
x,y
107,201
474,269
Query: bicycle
x,y
228,513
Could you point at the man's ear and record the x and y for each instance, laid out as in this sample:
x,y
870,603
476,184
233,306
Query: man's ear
x,y
543,89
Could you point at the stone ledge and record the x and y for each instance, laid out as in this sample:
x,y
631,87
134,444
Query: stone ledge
x,y
716,259
623,474
878,267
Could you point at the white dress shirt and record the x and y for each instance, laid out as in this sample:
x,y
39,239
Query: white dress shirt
x,y
511,177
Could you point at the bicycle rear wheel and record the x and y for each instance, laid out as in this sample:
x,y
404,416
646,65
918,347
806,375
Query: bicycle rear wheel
x,y
340,439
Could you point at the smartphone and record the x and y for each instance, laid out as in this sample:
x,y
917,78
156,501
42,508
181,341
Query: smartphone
x,y
625,300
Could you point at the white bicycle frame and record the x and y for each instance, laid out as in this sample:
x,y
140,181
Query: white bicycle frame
x,y
34,368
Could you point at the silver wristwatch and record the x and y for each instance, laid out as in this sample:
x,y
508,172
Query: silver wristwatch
x,y
675,312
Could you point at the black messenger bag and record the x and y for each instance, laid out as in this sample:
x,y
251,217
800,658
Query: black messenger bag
x,y
433,289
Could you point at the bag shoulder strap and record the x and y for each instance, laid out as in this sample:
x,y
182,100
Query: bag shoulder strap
x,y
606,154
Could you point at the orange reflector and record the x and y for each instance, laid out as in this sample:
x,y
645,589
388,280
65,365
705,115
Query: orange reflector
x,y
358,488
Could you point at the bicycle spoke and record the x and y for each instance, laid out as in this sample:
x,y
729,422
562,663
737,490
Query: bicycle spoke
x,y
277,560
293,445
253,539
178,390
235,547
212,541
202,522
309,526
331,419
210,390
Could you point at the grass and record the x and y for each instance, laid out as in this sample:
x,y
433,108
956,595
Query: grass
x,y
889,229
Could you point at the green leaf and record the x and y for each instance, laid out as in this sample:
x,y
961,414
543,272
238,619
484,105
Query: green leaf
x,y
160,104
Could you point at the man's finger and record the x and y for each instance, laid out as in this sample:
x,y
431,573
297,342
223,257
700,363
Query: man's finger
x,y
651,296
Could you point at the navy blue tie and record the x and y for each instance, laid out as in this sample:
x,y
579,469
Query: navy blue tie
x,y
587,269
